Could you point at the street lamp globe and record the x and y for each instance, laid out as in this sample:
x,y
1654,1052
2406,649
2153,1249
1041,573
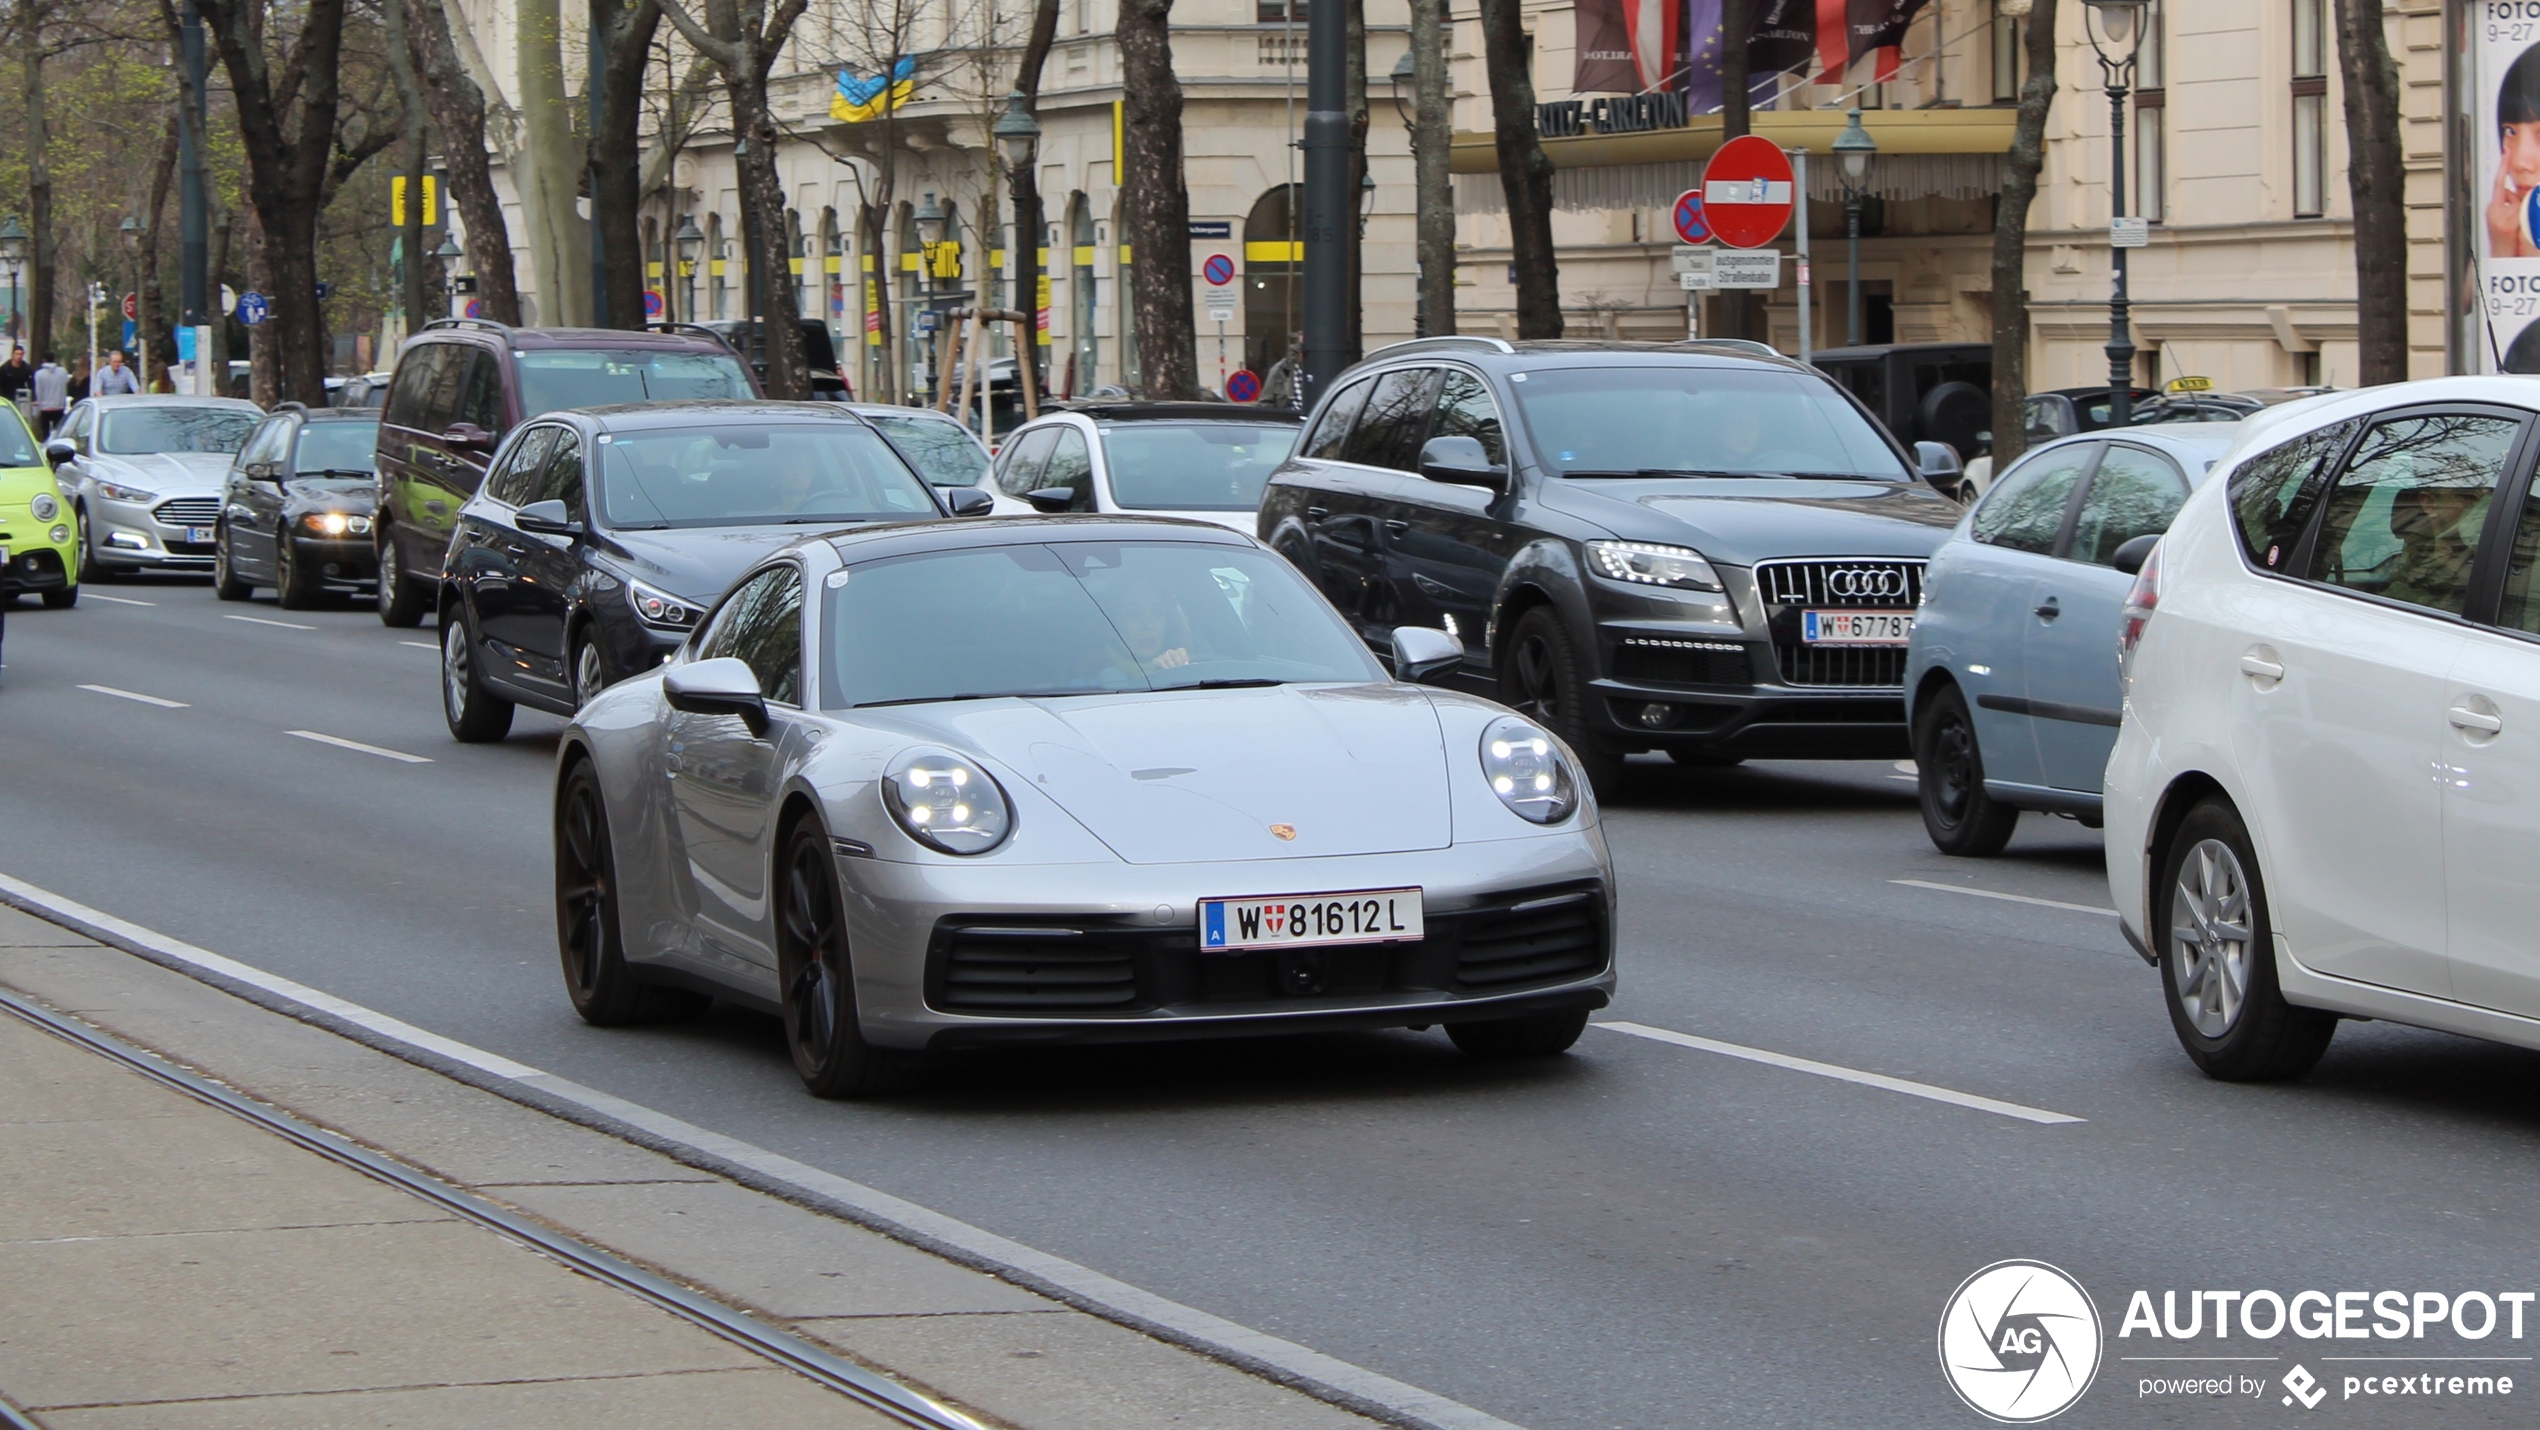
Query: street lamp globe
x,y
1366,195
1402,79
449,252
930,221
131,230
689,238
2117,18
1855,148
12,241
1017,133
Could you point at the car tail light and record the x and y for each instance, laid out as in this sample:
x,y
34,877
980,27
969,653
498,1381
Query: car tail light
x,y
2140,603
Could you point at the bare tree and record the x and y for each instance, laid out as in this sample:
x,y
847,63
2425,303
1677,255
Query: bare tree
x,y
1738,308
625,29
2376,178
411,125
1525,171
1158,207
743,39
1433,181
880,38
459,122
1028,221
2010,240
150,298
545,169
1354,104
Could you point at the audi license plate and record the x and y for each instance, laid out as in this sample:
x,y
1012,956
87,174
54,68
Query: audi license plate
x,y
1301,920
1856,627
201,533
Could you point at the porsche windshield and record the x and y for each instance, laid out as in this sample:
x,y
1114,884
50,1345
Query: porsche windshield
x,y
1686,419
1078,618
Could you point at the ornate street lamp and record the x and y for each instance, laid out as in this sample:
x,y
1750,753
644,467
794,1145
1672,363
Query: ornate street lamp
x,y
1855,149
13,257
689,241
2116,39
1018,139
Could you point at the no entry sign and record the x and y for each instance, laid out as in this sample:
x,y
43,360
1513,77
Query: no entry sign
x,y
1691,224
1747,192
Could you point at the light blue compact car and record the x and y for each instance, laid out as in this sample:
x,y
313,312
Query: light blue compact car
x,y
2011,679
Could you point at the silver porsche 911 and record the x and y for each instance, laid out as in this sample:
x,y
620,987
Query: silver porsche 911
x,y
952,784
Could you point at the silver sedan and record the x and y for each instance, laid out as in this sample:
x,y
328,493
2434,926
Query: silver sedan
x,y
954,784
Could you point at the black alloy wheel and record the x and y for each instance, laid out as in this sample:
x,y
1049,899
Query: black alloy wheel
x,y
817,979
225,582
1538,1035
1949,780
1541,679
2217,955
474,714
605,992
402,601
295,586
590,670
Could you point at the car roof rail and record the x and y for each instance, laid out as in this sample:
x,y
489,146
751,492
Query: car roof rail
x,y
289,405
1466,341
482,324
699,329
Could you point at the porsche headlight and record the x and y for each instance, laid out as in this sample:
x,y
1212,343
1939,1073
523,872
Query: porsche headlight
x,y
945,802
1639,563
1525,769
112,492
44,507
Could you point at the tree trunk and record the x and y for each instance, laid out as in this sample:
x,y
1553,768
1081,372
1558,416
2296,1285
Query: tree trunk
x,y
2010,241
626,29
559,244
1525,172
217,269
1029,225
458,122
401,68
875,224
1738,308
152,295
1434,182
39,199
764,236
1158,210
1354,104
264,364
2376,177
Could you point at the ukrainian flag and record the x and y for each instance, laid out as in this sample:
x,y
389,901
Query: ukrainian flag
x,y
860,99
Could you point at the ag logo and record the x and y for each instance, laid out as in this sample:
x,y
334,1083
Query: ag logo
x,y
2019,1342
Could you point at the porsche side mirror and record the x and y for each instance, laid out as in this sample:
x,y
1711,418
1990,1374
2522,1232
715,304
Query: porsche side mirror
x,y
1420,652
2129,558
547,518
967,501
722,686
1051,500
1461,461
467,437
59,450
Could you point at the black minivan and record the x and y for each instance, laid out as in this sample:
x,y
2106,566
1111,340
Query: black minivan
x,y
463,383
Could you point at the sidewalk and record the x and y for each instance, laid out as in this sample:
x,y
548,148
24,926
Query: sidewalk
x,y
169,1265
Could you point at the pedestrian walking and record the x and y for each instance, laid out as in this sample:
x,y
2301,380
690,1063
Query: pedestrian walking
x,y
79,380
116,380
14,373
1279,388
52,394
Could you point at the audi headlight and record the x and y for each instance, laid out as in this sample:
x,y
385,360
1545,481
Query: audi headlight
x,y
112,492
945,802
44,507
1525,769
660,608
1638,563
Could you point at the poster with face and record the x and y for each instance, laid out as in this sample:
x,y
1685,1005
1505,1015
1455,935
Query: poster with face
x,y
2506,120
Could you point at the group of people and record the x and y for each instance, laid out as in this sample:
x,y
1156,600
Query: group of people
x,y
54,388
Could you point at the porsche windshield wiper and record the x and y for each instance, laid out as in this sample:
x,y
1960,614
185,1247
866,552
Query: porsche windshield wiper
x,y
985,695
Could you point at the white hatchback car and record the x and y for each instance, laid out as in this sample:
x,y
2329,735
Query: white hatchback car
x,y
1204,461
2325,794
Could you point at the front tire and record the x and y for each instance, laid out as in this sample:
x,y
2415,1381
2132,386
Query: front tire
x,y
590,670
589,938
225,583
475,715
1949,778
1539,1035
1542,679
402,600
817,978
295,586
2217,947
61,599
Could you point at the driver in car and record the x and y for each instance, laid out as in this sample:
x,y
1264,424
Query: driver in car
x,y
1158,634
2437,529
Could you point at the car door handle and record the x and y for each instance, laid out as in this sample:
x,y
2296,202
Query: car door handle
x,y
2261,668
2468,718
2049,609
1317,513
1396,527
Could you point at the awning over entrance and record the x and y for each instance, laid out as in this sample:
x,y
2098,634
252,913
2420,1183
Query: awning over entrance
x,y
1898,131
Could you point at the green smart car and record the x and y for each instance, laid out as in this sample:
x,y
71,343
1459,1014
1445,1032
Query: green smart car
x,y
39,534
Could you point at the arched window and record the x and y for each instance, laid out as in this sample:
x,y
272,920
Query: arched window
x,y
1274,269
1082,305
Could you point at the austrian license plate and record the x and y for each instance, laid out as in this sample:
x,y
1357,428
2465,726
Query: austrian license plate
x,y
1302,920
200,533
1856,627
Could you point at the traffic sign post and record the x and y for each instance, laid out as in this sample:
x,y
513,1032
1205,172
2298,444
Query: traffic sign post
x,y
1243,387
1747,190
1218,272
1692,224
131,307
1748,270
253,309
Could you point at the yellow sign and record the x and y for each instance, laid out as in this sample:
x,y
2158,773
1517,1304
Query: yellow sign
x,y
397,201
2189,384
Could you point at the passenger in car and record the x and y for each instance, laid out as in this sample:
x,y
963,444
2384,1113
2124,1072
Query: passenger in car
x,y
2438,530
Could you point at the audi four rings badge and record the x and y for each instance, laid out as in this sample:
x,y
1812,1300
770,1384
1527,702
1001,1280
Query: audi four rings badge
x,y
1866,581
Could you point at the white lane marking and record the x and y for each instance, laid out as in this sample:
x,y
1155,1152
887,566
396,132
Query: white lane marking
x,y
341,743
1132,1305
114,600
261,621
137,695
1842,1074
2006,898
420,645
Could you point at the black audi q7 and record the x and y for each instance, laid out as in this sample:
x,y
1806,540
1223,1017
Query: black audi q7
x,y
1676,547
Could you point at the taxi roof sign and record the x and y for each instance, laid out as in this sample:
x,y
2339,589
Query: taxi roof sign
x,y
2189,384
